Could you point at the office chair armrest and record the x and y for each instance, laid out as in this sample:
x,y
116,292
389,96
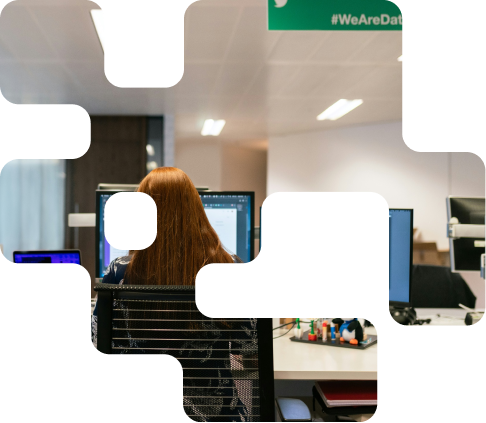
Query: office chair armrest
x,y
293,410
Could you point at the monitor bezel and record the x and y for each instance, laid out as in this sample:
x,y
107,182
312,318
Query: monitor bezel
x,y
117,187
69,251
402,304
252,213
452,257
99,193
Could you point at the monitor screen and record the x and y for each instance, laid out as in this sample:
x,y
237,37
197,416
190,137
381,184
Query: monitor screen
x,y
400,265
61,256
466,253
231,214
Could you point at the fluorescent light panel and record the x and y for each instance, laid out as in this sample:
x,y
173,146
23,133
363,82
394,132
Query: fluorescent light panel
x,y
212,127
97,21
339,109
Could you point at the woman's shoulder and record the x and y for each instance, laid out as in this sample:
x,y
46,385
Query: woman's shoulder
x,y
116,270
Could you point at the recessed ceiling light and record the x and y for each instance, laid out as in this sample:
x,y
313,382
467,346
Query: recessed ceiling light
x,y
339,109
97,17
212,127
400,59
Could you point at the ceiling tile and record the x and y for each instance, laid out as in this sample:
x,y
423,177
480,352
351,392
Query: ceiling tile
x,y
221,107
272,79
210,30
49,77
198,79
5,53
382,82
308,79
252,41
344,77
297,46
51,2
13,79
21,35
386,46
283,108
71,31
339,46
235,78
191,105
89,74
252,107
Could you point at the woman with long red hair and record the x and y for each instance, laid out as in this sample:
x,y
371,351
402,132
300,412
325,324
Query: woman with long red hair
x,y
185,243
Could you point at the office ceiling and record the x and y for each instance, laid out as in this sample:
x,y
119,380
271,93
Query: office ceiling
x,y
263,83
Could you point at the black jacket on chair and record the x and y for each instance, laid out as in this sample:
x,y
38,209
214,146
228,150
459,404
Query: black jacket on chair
x,y
438,287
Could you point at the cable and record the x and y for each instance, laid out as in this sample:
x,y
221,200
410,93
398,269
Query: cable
x,y
285,332
422,321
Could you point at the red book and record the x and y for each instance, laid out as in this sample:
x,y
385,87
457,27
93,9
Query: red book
x,y
348,393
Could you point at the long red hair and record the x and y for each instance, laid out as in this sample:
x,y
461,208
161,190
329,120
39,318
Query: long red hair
x,y
185,240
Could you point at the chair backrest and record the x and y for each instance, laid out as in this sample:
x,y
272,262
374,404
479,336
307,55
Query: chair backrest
x,y
227,363
438,287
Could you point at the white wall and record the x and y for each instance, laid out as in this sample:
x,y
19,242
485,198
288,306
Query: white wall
x,y
201,161
375,158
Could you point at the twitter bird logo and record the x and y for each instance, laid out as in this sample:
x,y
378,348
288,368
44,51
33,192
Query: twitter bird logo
x,y
280,3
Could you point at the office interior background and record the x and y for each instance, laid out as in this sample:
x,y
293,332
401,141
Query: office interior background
x,y
269,87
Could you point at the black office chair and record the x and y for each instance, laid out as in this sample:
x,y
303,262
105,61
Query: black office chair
x,y
227,363
438,287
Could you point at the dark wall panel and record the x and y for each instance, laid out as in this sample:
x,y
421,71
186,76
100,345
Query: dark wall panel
x,y
117,155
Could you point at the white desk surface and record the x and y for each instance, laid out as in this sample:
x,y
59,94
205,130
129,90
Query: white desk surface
x,y
448,316
296,360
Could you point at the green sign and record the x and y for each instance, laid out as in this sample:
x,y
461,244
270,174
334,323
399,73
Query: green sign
x,y
334,15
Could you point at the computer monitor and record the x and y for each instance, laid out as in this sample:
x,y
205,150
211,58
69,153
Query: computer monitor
x,y
230,213
117,187
465,253
483,257
44,256
130,187
400,256
105,253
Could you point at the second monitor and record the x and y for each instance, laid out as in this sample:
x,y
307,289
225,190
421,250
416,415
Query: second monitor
x,y
400,256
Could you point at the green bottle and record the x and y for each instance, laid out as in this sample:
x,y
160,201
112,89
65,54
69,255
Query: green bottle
x,y
312,335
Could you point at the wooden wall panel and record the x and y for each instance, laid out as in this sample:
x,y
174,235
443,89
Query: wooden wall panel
x,y
117,155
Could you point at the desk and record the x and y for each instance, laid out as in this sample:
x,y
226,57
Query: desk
x,y
299,361
297,366
448,316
